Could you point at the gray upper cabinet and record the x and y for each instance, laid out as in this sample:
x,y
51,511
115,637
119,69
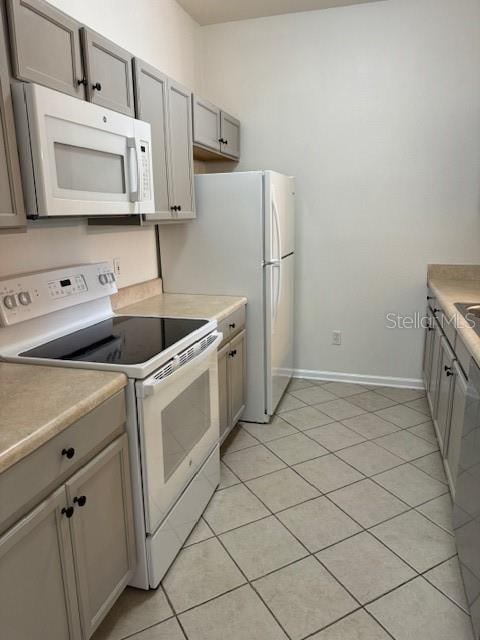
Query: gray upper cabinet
x,y
45,46
230,136
109,75
151,97
12,210
216,134
206,123
37,584
181,150
102,532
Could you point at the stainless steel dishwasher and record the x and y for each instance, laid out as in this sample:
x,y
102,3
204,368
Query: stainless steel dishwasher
x,y
466,513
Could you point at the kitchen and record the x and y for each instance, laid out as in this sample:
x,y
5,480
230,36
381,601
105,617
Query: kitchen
x,y
356,123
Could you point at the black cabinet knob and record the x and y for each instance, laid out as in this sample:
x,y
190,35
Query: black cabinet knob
x,y
82,81
80,500
68,511
232,325
448,370
68,453
97,86
429,297
450,373
179,208
233,353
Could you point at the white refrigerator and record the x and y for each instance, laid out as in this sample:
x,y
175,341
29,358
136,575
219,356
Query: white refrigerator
x,y
243,243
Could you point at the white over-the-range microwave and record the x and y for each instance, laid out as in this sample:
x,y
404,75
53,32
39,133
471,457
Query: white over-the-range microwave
x,y
79,159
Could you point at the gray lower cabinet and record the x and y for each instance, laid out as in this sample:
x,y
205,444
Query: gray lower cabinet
x,y
432,390
45,46
181,150
108,71
37,579
454,441
444,392
231,382
223,413
216,134
12,209
102,532
64,564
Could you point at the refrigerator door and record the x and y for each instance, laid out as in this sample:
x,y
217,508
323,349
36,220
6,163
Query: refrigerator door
x,y
279,215
279,292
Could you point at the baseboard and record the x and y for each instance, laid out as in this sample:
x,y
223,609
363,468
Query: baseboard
x,y
378,381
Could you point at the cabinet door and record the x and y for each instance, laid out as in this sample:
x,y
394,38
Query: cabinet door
x,y
181,149
230,135
206,123
45,46
102,532
456,426
224,413
445,389
12,210
109,73
151,106
37,582
435,371
236,377
428,348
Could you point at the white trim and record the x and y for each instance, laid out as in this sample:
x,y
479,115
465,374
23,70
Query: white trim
x,y
354,378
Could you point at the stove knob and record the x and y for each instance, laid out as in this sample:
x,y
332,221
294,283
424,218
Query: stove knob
x,y
103,278
9,302
24,298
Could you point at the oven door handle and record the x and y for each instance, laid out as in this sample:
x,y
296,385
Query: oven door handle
x,y
153,384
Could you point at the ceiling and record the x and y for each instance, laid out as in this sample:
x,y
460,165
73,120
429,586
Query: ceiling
x,y
215,11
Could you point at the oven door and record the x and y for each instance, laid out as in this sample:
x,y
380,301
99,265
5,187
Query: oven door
x,y
179,426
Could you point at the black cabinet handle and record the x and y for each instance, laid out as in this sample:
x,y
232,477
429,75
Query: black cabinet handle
x,y
69,453
233,353
232,325
175,208
221,140
68,511
448,370
97,86
179,208
81,500
82,81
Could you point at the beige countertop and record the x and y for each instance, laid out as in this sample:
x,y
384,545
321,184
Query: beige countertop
x,y
457,283
38,402
185,305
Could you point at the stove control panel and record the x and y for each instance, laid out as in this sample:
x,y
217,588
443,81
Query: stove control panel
x,y
32,295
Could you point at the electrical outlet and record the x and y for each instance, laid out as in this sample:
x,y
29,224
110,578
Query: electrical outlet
x,y
337,338
116,267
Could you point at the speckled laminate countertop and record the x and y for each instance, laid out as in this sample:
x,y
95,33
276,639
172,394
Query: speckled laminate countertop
x,y
38,402
186,306
457,283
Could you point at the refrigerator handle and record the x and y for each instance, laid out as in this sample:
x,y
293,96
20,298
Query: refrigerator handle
x,y
277,263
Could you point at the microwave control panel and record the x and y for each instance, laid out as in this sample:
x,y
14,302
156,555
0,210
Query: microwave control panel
x,y
145,186
31,295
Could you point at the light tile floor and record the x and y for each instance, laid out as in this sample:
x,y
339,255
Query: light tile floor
x,y
331,523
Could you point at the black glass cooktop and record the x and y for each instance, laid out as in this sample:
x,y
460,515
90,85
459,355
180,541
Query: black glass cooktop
x,y
118,340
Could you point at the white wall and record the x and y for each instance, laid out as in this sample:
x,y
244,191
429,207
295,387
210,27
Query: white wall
x,y
376,109
162,33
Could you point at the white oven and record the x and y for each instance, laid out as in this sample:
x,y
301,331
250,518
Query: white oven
x,y
80,159
178,424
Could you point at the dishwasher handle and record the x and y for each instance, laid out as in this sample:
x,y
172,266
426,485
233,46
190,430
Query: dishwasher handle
x,y
195,354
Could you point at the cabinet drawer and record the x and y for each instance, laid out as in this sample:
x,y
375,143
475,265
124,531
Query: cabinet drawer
x,y
232,324
26,483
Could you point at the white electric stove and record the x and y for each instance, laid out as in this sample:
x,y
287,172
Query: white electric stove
x,y
63,317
